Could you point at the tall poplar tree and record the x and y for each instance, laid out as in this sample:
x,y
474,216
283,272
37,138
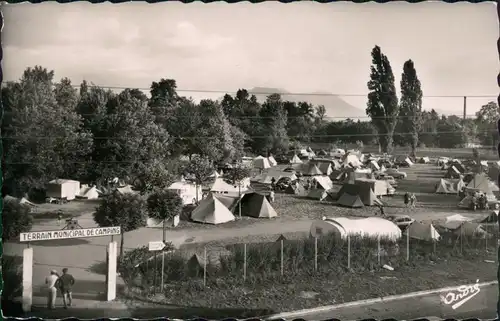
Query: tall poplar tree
x,y
411,106
382,106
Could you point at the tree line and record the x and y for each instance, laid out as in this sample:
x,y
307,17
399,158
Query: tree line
x,y
54,129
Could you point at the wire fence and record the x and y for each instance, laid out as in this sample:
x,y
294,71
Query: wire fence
x,y
264,262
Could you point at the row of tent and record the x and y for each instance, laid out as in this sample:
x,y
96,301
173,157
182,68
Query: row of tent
x,y
219,209
375,227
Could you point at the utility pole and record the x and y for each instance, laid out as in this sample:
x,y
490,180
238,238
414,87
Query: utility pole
x,y
465,108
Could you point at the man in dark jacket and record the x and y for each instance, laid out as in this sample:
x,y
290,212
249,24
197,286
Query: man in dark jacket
x,y
66,282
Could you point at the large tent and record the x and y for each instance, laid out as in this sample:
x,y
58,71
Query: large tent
x,y
311,170
189,193
342,227
212,211
222,187
452,172
379,187
479,183
256,205
272,161
470,229
89,193
364,192
261,162
63,188
422,231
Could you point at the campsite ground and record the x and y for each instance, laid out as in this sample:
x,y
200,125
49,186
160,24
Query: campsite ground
x,y
295,218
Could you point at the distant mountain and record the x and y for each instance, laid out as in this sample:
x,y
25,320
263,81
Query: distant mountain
x,y
334,105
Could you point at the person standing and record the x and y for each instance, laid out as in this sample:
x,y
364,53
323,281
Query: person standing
x,y
51,281
407,199
66,282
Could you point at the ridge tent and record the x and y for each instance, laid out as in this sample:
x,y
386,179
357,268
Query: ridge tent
x,y
364,192
452,172
296,189
261,162
424,160
212,211
448,186
323,182
342,227
89,193
422,231
231,202
373,165
379,187
336,164
256,205
311,170
322,195
295,160
479,182
348,200
470,229
25,201
489,218
220,186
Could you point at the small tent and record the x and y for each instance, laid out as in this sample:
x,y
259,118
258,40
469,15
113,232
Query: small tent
x,y
379,187
322,182
261,162
212,211
63,188
127,189
256,205
422,231
272,161
296,189
295,160
311,170
470,229
220,186
452,172
321,195
189,193
322,153
479,183
449,186
349,200
89,193
424,160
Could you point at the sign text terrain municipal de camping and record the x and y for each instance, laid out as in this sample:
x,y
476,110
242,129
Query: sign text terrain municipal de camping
x,y
69,234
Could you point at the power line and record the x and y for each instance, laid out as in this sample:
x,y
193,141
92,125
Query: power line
x,y
291,117
270,93
212,137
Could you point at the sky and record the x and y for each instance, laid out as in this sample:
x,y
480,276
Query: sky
x,y
300,47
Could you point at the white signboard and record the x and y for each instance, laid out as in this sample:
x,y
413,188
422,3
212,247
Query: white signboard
x,y
462,294
69,234
156,246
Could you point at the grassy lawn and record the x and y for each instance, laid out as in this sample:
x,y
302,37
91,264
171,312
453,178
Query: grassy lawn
x,y
46,212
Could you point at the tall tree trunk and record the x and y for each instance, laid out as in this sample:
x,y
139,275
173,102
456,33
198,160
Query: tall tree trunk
x,y
164,230
239,196
413,144
121,244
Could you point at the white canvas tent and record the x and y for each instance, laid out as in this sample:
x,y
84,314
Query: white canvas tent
x,y
212,211
222,187
272,161
261,162
189,193
422,231
127,189
295,160
89,193
343,227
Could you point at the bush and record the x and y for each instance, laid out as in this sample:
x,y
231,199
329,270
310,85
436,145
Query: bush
x,y
16,219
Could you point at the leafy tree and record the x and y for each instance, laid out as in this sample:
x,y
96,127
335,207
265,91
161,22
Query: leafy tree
x,y
274,137
16,219
451,133
126,136
236,175
164,99
183,127
66,96
42,139
129,211
486,121
411,105
382,106
153,176
164,205
320,113
201,168
429,134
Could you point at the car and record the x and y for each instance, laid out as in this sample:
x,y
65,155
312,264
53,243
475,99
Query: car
x,y
384,177
402,221
395,173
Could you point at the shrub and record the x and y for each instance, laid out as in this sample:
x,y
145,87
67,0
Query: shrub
x,y
16,219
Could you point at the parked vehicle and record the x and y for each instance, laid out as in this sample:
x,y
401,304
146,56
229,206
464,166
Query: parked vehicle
x,y
402,221
395,173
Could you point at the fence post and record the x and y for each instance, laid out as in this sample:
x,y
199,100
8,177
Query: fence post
x,y
155,272
315,254
205,267
348,251
461,240
378,249
281,257
407,244
244,262
162,270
